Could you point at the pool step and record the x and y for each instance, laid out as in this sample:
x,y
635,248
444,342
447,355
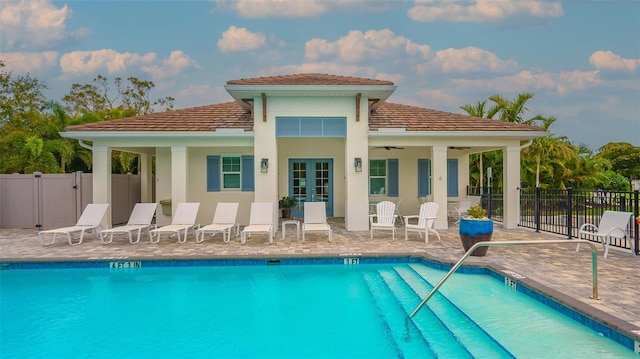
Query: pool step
x,y
468,332
408,340
442,341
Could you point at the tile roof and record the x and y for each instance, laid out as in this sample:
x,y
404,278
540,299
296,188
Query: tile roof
x,y
393,115
229,115
309,79
203,118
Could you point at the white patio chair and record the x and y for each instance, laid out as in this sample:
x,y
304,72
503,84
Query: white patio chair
x,y
457,210
613,224
426,218
88,221
140,219
224,220
385,218
183,220
260,221
315,219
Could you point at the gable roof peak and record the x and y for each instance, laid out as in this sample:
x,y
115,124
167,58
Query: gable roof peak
x,y
309,79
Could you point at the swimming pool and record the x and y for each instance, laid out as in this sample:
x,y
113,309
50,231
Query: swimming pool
x,y
246,309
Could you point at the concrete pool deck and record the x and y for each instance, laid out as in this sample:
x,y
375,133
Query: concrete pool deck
x,y
554,269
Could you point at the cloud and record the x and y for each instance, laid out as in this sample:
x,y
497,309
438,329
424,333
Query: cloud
x,y
470,59
253,9
172,66
607,60
482,10
27,62
561,83
237,39
92,62
434,98
357,46
35,24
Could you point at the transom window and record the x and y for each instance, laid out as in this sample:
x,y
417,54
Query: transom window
x,y
231,172
377,176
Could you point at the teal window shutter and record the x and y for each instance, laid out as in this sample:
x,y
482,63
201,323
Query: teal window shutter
x,y
424,177
248,181
392,176
452,177
213,173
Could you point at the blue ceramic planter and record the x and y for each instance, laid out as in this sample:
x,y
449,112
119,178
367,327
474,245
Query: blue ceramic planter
x,y
473,231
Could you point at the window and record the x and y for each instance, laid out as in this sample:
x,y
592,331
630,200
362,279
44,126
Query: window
x,y
383,177
377,176
231,172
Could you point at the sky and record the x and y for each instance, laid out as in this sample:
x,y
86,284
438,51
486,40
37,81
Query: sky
x,y
580,59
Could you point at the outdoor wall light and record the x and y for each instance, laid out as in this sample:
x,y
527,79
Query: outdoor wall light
x,y
264,165
357,164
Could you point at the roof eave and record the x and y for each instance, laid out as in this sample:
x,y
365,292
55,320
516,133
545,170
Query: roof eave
x,y
523,135
223,133
243,92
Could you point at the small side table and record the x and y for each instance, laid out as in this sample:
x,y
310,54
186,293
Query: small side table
x,y
291,221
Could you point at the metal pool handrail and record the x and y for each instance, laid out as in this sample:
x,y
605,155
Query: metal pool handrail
x,y
594,263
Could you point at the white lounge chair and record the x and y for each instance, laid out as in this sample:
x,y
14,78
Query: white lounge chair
x,y
315,219
183,220
384,218
260,220
613,224
140,219
224,220
88,221
426,218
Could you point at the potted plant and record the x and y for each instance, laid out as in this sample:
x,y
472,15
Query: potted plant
x,y
285,204
475,227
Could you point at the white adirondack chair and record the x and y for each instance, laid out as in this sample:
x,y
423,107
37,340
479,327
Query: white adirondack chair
x,y
384,218
426,218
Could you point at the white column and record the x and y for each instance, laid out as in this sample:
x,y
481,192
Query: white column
x,y
439,175
511,182
463,175
357,183
146,178
102,179
265,146
179,176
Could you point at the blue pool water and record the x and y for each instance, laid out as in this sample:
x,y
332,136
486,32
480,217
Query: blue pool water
x,y
287,311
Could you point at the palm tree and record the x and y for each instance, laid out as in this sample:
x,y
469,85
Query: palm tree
x,y
479,110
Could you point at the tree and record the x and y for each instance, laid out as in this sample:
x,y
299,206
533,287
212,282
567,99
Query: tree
x,y
624,159
131,98
105,101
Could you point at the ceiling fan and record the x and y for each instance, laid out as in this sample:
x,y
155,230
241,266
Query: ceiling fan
x,y
389,148
458,148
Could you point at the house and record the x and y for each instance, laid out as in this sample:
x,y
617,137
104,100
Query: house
x,y
315,137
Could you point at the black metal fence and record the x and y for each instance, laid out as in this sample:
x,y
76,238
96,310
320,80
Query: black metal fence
x,y
564,211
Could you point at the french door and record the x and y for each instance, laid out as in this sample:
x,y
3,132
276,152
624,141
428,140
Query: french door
x,y
311,179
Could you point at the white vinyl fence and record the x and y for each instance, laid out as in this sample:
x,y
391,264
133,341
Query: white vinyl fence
x,y
57,200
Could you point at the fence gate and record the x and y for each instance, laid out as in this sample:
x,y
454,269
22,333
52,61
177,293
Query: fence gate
x,y
42,201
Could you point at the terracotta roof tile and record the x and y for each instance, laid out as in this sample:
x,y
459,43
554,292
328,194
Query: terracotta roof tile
x,y
392,115
203,118
309,79
230,115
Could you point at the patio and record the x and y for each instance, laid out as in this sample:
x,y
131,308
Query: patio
x,y
555,269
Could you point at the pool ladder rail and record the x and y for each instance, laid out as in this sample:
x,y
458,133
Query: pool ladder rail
x,y
594,263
